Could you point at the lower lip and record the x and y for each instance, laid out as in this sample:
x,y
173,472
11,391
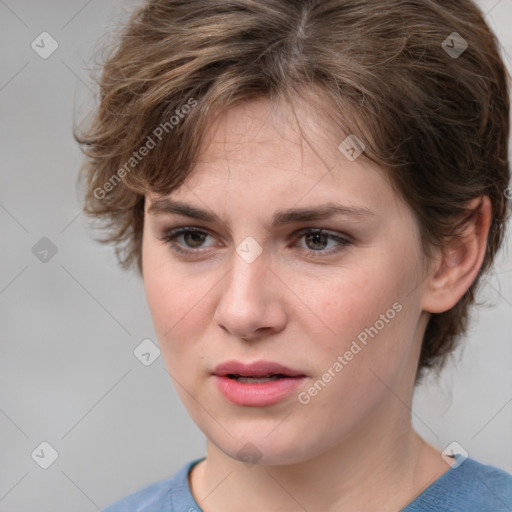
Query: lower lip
x,y
264,393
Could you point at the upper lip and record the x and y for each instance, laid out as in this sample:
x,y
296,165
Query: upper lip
x,y
255,369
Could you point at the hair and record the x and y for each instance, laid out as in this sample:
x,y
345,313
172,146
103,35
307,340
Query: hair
x,y
437,122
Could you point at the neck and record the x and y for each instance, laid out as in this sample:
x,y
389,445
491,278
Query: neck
x,y
389,459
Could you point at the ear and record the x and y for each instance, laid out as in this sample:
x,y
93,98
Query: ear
x,y
460,260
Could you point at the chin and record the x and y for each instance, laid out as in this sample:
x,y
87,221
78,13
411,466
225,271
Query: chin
x,y
259,449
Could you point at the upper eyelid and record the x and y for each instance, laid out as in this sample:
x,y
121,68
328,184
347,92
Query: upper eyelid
x,y
177,231
208,231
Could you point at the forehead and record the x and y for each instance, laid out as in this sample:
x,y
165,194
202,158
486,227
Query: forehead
x,y
292,150
281,136
258,158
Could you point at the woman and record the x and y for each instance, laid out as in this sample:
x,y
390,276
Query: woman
x,y
311,191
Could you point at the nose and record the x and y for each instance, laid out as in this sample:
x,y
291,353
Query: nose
x,y
252,304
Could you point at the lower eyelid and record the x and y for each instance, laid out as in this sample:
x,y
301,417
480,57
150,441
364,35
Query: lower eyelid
x,y
339,238
171,236
341,244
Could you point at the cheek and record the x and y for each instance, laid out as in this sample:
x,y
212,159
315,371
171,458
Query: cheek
x,y
173,303
372,348
353,298
167,294
179,306
368,313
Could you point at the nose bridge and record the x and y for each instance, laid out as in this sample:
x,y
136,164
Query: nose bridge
x,y
246,304
246,282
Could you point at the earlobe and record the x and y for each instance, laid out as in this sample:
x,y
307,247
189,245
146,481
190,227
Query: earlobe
x,y
460,260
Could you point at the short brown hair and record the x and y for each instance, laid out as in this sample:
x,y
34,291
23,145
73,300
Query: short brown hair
x,y
436,120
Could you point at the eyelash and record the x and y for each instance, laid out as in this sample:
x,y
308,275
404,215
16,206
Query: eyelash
x,y
170,239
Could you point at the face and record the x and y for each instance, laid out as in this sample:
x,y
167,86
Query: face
x,y
258,286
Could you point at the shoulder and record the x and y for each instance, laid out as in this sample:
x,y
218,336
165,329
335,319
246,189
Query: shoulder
x,y
469,487
169,495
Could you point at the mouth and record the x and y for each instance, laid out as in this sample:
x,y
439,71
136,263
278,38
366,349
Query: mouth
x,y
256,384
258,371
259,380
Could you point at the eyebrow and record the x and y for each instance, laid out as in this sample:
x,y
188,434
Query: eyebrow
x,y
281,217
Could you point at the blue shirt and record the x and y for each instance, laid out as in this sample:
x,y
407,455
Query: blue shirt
x,y
470,487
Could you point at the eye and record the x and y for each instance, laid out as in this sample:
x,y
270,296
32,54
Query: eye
x,y
190,241
192,237
317,241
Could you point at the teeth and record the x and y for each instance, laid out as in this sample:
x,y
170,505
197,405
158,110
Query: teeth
x,y
256,380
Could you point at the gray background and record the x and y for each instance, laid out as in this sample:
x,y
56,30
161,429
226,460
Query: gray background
x,y
68,375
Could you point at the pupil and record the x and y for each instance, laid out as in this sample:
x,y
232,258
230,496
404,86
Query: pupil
x,y
195,236
317,238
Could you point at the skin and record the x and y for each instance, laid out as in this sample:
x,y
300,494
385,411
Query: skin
x,y
300,306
